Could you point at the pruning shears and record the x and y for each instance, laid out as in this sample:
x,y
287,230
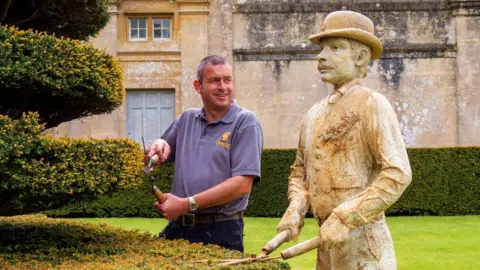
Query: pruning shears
x,y
147,169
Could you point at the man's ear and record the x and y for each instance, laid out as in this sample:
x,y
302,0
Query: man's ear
x,y
361,58
197,85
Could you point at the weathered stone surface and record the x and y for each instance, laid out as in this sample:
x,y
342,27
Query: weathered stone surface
x,y
429,69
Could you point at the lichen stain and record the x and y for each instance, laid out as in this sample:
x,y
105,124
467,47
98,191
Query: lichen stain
x,y
390,71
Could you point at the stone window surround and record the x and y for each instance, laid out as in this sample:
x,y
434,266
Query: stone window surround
x,y
149,26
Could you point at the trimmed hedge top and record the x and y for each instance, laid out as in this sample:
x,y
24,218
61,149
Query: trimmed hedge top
x,y
38,242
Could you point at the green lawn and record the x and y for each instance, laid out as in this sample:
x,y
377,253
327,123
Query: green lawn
x,y
420,242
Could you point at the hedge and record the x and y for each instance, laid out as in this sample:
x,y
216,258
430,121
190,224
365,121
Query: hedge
x,y
38,242
136,202
38,171
61,79
446,181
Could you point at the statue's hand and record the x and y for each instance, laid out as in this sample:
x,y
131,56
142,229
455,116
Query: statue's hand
x,y
292,221
333,232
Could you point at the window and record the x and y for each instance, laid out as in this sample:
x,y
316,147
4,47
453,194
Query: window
x,y
161,28
138,29
150,27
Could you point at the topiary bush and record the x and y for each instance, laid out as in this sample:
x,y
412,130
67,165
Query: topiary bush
x,y
67,18
135,202
38,171
61,79
38,242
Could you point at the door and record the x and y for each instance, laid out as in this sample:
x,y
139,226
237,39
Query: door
x,y
149,113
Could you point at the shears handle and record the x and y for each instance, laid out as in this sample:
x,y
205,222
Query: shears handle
x,y
158,194
153,160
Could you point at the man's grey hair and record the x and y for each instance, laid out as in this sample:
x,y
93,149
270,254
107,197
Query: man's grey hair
x,y
357,48
212,60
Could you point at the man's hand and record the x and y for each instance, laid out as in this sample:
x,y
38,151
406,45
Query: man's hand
x,y
173,207
160,148
333,232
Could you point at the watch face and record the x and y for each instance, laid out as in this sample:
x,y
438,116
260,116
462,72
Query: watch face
x,y
192,205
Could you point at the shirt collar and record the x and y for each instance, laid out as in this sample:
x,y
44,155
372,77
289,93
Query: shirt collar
x,y
227,118
337,94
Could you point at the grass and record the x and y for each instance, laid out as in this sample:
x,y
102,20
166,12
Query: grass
x,y
420,242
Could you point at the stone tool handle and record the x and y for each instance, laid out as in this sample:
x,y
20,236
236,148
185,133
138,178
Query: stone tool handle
x,y
301,248
279,239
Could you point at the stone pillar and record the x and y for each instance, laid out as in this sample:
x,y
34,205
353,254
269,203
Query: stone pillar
x,y
467,18
194,46
100,126
108,36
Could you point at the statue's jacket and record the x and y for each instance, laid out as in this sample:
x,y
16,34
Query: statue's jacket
x,y
351,160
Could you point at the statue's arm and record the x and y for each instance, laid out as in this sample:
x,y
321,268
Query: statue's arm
x,y
293,217
388,150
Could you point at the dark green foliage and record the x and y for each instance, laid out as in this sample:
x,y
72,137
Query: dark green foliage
x,y
78,19
38,242
61,79
269,196
38,171
446,181
137,202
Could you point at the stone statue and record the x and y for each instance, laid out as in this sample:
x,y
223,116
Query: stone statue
x,y
351,162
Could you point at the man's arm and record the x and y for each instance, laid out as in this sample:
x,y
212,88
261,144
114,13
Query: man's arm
x,y
223,193
387,147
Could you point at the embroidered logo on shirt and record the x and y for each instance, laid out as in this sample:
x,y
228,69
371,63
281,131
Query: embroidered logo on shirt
x,y
224,140
225,137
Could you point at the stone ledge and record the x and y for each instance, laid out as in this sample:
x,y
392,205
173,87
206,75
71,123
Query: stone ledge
x,y
465,7
309,53
467,4
193,12
316,7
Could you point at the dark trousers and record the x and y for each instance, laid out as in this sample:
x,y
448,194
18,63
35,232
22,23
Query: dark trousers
x,y
228,233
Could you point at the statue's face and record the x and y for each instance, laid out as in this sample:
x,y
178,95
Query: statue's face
x,y
335,61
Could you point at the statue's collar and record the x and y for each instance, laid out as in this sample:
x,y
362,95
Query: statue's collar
x,y
340,92
344,88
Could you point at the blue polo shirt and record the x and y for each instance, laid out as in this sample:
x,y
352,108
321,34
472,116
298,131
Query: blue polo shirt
x,y
206,154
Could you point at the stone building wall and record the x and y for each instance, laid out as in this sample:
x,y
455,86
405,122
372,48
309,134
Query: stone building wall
x,y
430,69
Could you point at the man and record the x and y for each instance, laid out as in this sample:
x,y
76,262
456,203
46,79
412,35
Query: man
x,y
351,161
217,151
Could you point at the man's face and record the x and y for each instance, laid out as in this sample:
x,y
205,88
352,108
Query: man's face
x,y
216,87
335,61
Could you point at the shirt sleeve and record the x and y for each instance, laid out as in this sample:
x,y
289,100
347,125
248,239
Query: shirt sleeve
x,y
246,150
388,150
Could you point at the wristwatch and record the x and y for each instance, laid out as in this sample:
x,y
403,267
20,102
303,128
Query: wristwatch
x,y
192,205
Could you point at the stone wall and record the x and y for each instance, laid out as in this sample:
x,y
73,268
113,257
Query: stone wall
x,y
430,69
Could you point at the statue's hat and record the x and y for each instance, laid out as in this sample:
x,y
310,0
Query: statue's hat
x,y
350,24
